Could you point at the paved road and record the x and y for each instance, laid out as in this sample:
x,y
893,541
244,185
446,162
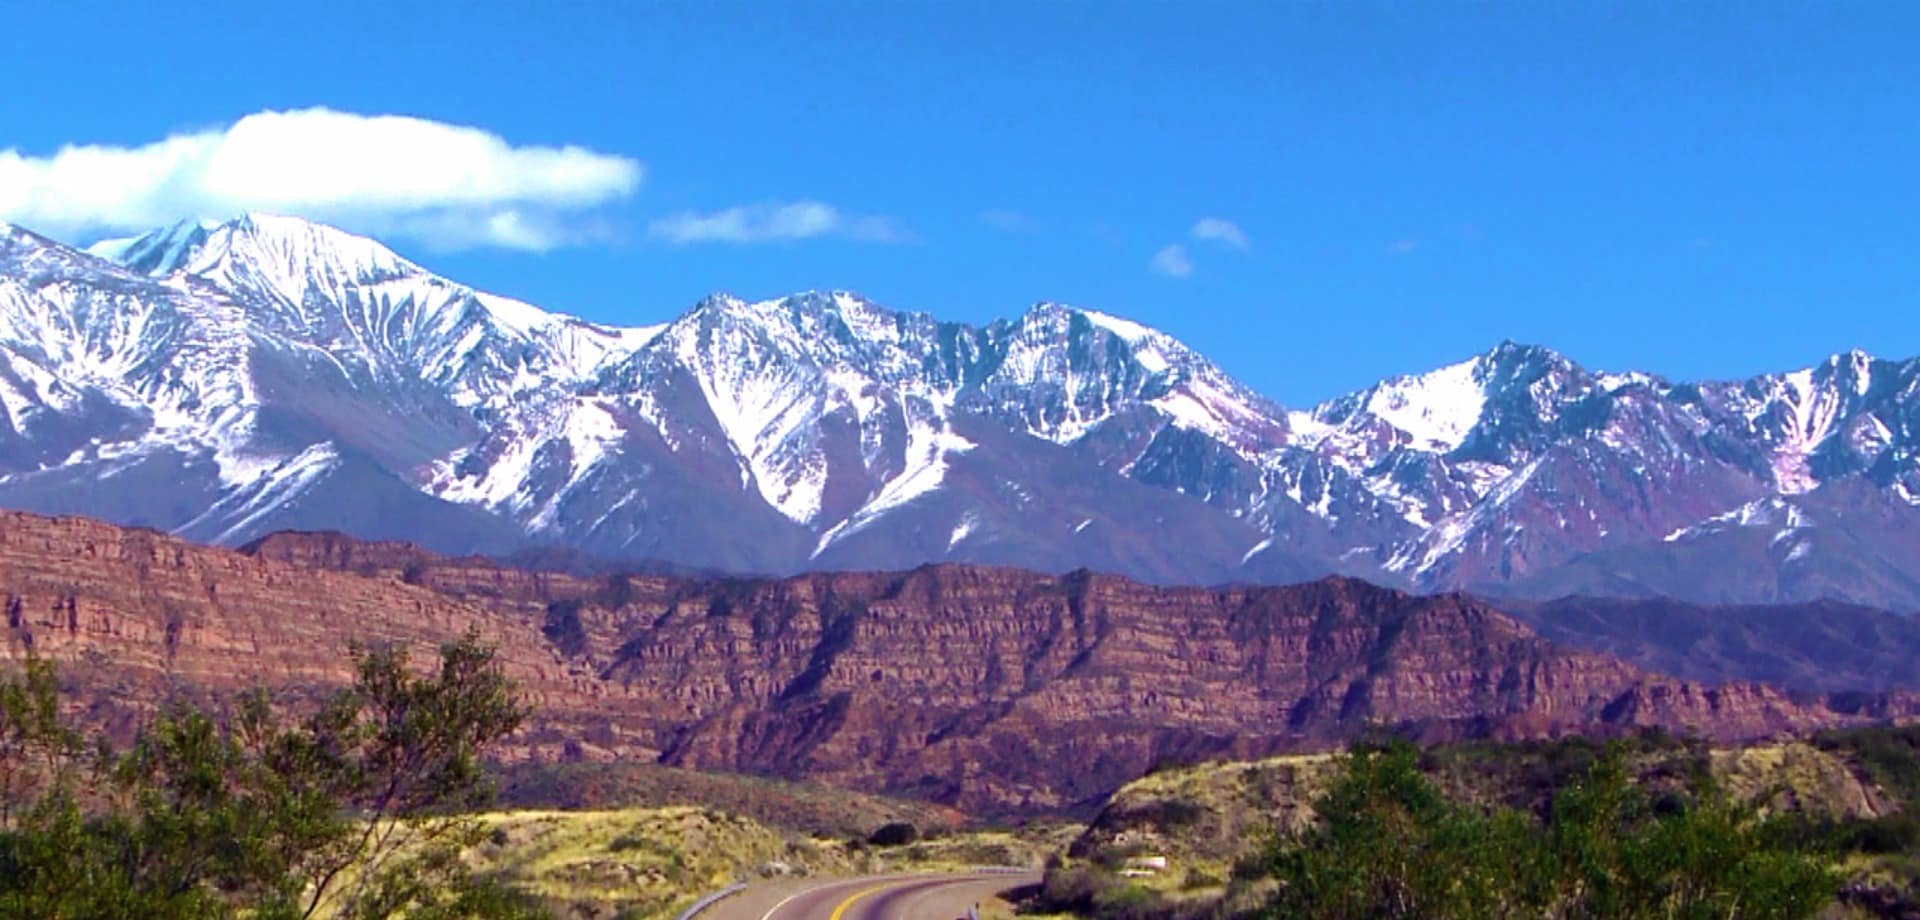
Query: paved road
x,y
943,896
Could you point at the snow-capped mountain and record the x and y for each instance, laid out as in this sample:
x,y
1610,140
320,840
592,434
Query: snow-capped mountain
x,y
382,318
225,380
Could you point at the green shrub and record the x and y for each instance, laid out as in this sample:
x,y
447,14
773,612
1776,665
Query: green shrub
x,y
894,834
1388,844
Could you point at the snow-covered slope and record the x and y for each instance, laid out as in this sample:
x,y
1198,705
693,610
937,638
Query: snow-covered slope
x,y
223,378
380,316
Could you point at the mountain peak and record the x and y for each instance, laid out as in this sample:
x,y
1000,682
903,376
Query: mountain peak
x,y
15,235
308,246
841,313
1046,309
280,246
27,253
157,252
1856,361
1510,353
1851,370
1059,316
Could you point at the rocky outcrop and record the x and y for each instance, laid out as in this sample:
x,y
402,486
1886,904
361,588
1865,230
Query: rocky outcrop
x,y
991,689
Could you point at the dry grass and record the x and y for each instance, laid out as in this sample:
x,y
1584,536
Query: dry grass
x,y
639,862
800,806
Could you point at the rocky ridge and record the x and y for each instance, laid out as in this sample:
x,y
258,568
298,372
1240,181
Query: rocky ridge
x,y
993,690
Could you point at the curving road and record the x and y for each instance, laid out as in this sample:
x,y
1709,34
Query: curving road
x,y
927,896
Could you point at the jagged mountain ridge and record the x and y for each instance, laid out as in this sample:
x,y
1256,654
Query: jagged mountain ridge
x,y
227,380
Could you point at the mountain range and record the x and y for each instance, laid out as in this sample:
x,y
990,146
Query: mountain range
x,y
222,381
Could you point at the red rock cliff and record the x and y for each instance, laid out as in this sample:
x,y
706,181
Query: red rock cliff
x,y
992,689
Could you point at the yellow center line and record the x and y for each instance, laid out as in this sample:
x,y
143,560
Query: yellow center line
x,y
842,908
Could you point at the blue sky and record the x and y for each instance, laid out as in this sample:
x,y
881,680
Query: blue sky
x,y
1704,192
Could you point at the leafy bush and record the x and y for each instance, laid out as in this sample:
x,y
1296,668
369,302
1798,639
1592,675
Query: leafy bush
x,y
1389,845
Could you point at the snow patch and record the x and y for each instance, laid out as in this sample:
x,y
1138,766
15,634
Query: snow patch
x,y
1436,410
961,531
1811,415
928,448
1129,330
1769,512
1449,536
243,509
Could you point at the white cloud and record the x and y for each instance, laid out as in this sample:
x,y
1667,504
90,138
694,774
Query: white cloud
x,y
1402,247
1172,261
772,222
1220,230
448,186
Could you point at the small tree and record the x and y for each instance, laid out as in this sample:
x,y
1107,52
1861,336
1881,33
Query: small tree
x,y
35,746
359,810
1617,853
1387,844
403,753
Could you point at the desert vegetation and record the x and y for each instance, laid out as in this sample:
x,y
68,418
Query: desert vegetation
x,y
361,808
378,802
1654,825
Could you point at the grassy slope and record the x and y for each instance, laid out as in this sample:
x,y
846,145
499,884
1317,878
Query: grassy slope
x,y
641,861
806,807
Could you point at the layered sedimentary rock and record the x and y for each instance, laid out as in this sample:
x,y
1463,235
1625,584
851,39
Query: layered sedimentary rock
x,y
135,618
993,689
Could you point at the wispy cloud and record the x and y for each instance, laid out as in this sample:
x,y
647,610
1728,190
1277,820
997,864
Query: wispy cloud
x,y
446,185
1006,221
774,222
1220,230
1172,261
1402,247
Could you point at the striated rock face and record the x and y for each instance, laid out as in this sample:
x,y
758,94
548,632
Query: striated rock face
x,y
992,689
999,688
135,618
